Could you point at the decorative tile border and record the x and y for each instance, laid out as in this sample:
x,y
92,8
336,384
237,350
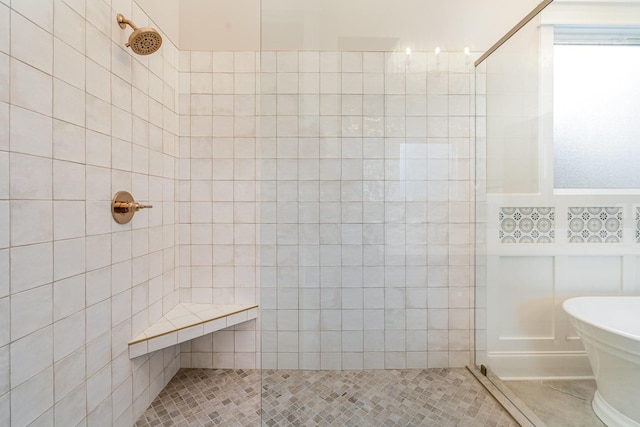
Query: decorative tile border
x,y
527,225
595,225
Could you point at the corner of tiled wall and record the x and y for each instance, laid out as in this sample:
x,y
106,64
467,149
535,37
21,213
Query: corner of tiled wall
x,y
217,194
81,117
363,214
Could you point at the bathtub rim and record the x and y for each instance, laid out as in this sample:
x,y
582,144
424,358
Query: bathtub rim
x,y
572,301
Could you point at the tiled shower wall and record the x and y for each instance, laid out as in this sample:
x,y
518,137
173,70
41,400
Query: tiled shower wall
x,y
363,170
218,185
357,196
81,117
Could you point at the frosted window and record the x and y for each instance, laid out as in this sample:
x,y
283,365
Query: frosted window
x,y
596,116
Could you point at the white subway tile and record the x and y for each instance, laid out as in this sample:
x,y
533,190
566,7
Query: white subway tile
x,y
373,62
100,51
30,311
98,353
244,62
98,319
98,185
120,246
98,82
201,83
69,258
120,308
30,133
309,62
201,62
438,62
68,103
68,219
121,126
416,84
287,83
244,83
71,410
122,399
68,142
121,152
25,362
32,398
30,43
98,118
98,388
417,62
330,62
268,62
69,184
68,64
98,219
25,214
69,26
395,62
459,127
31,266
121,93
437,83
287,62
437,127
352,62
69,374
459,84
121,59
395,84
222,62
98,150
68,297
98,282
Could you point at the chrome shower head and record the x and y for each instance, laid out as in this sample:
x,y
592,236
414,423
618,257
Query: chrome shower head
x,y
142,41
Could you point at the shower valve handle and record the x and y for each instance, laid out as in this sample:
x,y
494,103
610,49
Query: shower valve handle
x,y
123,207
138,206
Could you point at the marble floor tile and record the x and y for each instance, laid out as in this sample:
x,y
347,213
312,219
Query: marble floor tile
x,y
559,403
269,398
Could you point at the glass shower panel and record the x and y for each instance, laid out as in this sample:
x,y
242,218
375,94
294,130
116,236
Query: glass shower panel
x,y
365,172
509,156
557,205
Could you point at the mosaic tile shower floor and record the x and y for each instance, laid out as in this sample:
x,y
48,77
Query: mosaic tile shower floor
x,y
431,397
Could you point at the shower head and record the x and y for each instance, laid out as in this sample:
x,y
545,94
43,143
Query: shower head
x,y
142,41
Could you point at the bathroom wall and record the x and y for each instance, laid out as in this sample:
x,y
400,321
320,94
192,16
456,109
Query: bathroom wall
x,y
368,25
217,199
363,174
81,117
358,192
365,209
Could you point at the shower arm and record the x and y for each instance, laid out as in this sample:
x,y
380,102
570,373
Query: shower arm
x,y
123,22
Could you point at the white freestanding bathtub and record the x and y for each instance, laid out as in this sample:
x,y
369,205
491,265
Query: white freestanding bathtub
x,y
610,330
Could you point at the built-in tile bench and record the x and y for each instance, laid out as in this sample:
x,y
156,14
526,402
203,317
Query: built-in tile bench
x,y
188,321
